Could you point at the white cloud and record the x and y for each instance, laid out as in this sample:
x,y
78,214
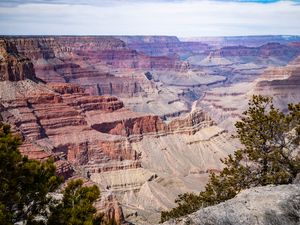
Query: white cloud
x,y
181,18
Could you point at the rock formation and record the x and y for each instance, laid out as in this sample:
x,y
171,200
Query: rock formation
x,y
13,66
164,45
97,134
277,205
107,109
282,83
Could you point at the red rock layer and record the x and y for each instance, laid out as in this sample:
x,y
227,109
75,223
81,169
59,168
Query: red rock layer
x,y
271,50
61,121
13,66
164,45
102,65
60,57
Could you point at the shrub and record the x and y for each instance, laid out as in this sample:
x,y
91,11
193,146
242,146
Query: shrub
x,y
270,156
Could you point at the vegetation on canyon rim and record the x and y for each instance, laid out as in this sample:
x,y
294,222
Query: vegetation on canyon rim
x,y
25,186
269,156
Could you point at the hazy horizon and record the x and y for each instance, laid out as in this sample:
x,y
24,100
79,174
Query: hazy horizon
x,y
147,35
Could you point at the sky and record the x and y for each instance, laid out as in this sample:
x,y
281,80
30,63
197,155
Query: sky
x,y
182,18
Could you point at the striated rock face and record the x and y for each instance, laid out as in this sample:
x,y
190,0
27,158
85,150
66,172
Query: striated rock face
x,y
226,104
164,45
13,66
134,156
102,65
53,124
117,66
275,50
63,88
262,205
111,208
191,123
273,54
282,84
69,58
131,154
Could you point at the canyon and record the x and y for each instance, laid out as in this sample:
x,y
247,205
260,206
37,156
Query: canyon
x,y
144,117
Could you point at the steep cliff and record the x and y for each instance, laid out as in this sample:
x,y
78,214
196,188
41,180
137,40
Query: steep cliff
x,y
107,65
143,161
281,83
164,46
226,104
270,53
133,155
13,66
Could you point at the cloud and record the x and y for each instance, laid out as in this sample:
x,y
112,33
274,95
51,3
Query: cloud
x,y
112,2
132,17
13,3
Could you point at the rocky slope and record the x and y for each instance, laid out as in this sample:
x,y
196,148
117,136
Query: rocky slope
x,y
142,158
136,157
102,65
270,205
13,66
97,134
226,104
164,46
241,63
148,73
282,83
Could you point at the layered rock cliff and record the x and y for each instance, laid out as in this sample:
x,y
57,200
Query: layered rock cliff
x,y
281,83
164,46
137,157
97,134
119,148
107,65
13,66
226,104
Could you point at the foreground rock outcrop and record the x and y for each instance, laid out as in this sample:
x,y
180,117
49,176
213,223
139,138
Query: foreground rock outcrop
x,y
269,205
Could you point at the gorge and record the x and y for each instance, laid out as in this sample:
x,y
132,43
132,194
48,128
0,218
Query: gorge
x,y
148,117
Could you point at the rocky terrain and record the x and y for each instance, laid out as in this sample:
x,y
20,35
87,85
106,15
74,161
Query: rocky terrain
x,y
97,134
147,117
150,72
164,46
282,83
104,65
276,205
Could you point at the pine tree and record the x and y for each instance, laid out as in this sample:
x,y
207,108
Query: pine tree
x,y
270,156
26,186
24,183
76,207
